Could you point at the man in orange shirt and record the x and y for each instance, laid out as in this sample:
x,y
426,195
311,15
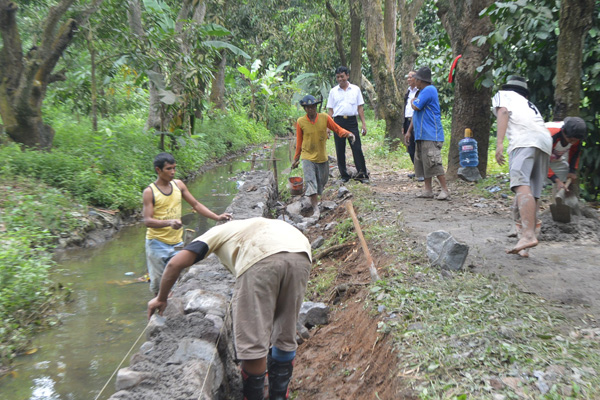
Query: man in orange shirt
x,y
311,138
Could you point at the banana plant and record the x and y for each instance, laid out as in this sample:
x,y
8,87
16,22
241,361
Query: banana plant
x,y
265,84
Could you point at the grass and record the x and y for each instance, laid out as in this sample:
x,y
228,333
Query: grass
x,y
472,336
468,336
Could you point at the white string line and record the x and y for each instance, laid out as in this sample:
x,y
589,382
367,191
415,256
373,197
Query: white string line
x,y
121,363
216,349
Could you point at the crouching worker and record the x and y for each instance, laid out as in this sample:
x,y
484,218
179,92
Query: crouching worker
x,y
566,149
271,261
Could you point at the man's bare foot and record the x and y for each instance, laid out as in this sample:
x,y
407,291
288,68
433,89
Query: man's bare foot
x,y
524,253
523,244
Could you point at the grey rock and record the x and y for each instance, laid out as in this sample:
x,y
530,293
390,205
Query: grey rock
x,y
147,347
313,314
155,325
285,218
469,174
310,221
444,251
342,191
203,301
192,349
330,225
302,226
328,205
126,378
318,242
294,208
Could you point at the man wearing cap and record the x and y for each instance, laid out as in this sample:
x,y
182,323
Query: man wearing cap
x,y
344,103
311,140
529,149
426,126
566,149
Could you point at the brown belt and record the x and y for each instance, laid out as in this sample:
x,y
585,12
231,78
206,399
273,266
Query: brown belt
x,y
345,116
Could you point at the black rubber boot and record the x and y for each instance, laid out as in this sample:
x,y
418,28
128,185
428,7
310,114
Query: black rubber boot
x,y
280,374
254,386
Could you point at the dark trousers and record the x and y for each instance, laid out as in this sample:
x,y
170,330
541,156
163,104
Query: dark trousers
x,y
411,142
350,124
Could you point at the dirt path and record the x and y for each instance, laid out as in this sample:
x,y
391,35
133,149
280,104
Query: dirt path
x,y
349,359
564,268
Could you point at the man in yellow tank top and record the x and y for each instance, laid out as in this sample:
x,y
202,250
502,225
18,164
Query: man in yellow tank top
x,y
311,140
162,216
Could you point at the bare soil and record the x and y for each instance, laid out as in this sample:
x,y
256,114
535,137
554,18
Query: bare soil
x,y
349,359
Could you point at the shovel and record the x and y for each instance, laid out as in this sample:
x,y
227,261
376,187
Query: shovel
x,y
560,211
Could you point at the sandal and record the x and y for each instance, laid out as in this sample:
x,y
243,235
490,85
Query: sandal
x,y
425,195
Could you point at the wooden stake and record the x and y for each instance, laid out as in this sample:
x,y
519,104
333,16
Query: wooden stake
x,y
275,165
363,243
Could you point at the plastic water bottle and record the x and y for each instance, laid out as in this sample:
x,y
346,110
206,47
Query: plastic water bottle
x,y
467,150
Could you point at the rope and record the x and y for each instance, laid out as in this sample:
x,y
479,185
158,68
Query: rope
x,y
216,349
121,363
207,371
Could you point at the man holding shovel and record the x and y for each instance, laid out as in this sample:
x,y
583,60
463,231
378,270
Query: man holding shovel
x,y
566,149
311,140
162,216
529,148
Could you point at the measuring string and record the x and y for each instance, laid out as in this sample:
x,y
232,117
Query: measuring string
x,y
121,363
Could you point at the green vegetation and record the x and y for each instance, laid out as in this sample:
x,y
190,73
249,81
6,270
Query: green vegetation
x,y
47,194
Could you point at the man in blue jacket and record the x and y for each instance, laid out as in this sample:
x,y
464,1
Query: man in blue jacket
x,y
426,126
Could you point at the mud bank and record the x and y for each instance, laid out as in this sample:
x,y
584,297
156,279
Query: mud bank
x,y
188,353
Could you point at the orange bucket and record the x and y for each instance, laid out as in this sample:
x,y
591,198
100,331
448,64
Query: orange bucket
x,y
296,185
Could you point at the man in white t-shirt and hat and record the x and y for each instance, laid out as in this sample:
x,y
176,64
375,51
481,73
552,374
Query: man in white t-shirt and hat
x,y
529,149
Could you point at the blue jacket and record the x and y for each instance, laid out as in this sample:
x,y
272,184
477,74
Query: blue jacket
x,y
427,120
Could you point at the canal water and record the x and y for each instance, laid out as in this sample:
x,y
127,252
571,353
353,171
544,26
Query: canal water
x,y
75,359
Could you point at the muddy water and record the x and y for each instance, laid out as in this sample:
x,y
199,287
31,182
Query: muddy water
x,y
75,359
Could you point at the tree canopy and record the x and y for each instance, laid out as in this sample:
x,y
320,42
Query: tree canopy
x,y
174,57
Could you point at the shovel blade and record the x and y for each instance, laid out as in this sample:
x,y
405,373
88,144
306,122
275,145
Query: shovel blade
x,y
286,171
560,213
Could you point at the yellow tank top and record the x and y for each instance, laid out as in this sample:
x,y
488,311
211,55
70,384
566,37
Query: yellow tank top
x,y
166,206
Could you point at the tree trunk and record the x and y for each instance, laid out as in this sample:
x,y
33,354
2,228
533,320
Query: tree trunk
x,y
471,103
217,93
24,78
339,38
355,45
134,15
389,27
93,85
409,39
575,21
390,100
371,94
